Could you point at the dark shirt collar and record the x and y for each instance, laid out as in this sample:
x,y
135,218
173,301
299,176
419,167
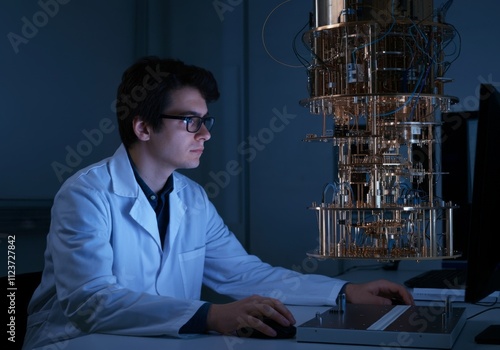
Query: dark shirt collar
x,y
150,194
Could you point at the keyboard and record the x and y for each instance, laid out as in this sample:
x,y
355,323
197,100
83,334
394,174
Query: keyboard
x,y
439,279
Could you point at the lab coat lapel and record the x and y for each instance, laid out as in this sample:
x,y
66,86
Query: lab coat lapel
x,y
124,184
170,269
177,211
144,215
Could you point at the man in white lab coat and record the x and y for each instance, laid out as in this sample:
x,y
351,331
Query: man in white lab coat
x,y
131,240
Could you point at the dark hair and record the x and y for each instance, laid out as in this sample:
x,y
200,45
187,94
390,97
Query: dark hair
x,y
145,91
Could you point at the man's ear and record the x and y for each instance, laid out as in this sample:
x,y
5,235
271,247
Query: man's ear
x,y
141,129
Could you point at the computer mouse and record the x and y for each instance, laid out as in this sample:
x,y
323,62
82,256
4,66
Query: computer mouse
x,y
283,332
397,301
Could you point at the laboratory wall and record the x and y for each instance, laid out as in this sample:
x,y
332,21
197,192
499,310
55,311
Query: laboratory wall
x,y
61,62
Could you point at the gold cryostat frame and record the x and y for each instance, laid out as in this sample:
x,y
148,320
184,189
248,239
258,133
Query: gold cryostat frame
x,y
376,80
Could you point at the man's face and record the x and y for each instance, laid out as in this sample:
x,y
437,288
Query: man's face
x,y
174,147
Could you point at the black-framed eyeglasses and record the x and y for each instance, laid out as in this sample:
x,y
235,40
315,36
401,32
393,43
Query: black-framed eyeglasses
x,y
193,122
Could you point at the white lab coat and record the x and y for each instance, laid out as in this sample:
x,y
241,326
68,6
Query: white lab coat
x,y
106,272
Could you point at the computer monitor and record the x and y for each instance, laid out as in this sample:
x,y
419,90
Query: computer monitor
x,y
458,141
483,254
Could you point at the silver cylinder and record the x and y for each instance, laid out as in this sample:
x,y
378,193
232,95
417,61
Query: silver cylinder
x,y
328,12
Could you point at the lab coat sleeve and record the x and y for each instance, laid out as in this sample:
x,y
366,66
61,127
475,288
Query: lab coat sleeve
x,y
230,270
87,289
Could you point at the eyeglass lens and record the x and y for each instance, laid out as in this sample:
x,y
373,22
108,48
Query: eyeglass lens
x,y
195,123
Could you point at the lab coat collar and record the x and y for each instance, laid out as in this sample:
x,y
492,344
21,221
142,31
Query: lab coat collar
x,y
177,210
124,184
123,181
122,176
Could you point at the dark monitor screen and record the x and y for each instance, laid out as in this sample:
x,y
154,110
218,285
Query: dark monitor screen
x,y
483,257
458,140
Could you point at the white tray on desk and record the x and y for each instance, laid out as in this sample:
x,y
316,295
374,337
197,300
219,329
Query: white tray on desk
x,y
435,294
400,326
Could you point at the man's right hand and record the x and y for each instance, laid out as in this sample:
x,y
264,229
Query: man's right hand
x,y
248,312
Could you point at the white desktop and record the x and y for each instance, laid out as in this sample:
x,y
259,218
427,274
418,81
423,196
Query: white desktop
x,y
464,340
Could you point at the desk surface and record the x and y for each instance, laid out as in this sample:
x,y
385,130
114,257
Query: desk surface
x,y
302,314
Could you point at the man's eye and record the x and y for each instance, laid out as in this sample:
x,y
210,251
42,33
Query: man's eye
x,y
189,120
